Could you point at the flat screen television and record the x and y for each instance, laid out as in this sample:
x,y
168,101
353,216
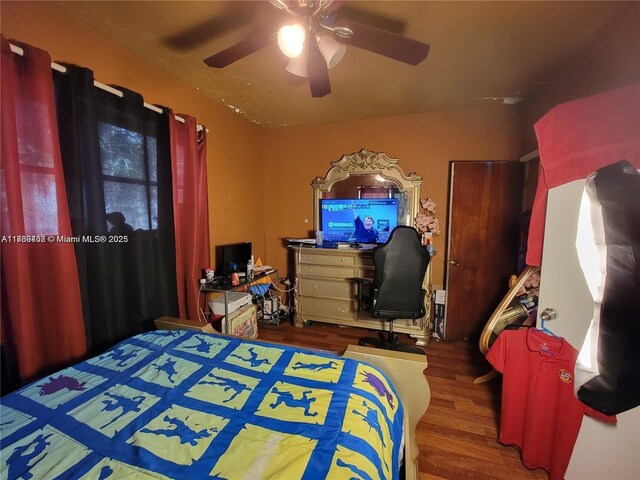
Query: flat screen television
x,y
237,253
361,220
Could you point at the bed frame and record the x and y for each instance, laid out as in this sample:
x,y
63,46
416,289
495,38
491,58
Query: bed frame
x,y
406,371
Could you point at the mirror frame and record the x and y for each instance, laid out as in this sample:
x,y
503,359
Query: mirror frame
x,y
365,162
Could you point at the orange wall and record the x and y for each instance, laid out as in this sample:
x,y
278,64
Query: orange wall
x,y
259,178
610,60
233,149
423,143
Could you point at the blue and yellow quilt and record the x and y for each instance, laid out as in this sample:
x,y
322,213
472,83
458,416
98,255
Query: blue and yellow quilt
x,y
178,404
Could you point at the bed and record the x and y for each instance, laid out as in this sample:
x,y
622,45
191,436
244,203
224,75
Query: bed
x,y
185,404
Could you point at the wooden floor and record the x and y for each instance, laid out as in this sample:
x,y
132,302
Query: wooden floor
x,y
457,435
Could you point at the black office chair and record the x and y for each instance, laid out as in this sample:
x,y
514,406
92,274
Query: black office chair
x,y
396,291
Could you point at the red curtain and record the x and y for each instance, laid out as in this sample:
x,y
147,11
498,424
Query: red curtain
x,y
577,138
41,307
190,210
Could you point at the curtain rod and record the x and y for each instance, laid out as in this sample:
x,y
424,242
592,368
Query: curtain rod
x,y
56,66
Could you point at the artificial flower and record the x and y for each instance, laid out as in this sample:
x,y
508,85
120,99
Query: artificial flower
x,y
426,221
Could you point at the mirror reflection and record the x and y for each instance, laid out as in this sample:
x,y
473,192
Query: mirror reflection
x,y
363,193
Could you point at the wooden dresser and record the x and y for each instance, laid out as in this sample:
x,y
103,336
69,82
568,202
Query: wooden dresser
x,y
325,292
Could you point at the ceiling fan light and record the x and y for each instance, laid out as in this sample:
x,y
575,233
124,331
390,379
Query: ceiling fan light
x,y
291,40
331,50
298,65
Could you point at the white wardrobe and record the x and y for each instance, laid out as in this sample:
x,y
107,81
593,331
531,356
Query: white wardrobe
x,y
602,451
574,140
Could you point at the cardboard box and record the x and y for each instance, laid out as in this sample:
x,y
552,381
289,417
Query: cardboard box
x,y
243,322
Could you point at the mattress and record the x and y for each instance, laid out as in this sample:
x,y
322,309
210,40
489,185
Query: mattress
x,y
181,404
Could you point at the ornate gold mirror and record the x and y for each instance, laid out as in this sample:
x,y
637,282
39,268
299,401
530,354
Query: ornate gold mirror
x,y
366,174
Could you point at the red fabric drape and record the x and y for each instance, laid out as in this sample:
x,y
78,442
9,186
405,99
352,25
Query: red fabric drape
x,y
577,138
190,210
41,311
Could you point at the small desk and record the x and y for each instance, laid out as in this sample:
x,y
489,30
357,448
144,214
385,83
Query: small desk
x,y
244,285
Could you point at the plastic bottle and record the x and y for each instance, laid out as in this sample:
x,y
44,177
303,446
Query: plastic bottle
x,y
235,278
250,268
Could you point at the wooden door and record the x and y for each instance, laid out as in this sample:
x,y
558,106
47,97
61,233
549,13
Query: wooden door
x,y
485,201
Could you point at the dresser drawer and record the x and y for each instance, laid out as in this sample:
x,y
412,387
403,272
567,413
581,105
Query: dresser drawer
x,y
326,271
319,259
312,308
336,289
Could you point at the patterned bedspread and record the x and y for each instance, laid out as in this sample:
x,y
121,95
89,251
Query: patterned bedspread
x,y
178,404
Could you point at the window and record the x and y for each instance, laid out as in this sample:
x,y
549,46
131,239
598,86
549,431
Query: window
x,y
130,175
37,175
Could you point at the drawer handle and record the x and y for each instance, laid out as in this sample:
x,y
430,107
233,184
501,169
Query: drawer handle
x,y
343,310
342,260
315,287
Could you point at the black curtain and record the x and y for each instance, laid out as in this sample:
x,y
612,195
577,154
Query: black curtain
x,y
117,167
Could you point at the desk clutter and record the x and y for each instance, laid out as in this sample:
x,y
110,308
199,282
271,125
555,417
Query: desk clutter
x,y
217,280
271,310
244,290
229,302
254,301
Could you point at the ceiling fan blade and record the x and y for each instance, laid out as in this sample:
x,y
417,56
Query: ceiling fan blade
x,y
206,30
385,43
354,13
240,50
317,71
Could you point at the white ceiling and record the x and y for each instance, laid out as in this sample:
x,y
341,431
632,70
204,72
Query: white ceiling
x,y
480,52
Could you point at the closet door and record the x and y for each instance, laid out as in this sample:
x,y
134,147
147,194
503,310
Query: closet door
x,y
601,451
485,201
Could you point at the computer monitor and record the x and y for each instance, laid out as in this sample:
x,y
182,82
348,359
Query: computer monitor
x,y
372,222
233,253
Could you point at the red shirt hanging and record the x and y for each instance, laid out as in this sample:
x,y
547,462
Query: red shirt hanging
x,y
540,413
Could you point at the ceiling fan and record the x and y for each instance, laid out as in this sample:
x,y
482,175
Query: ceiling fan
x,y
315,41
